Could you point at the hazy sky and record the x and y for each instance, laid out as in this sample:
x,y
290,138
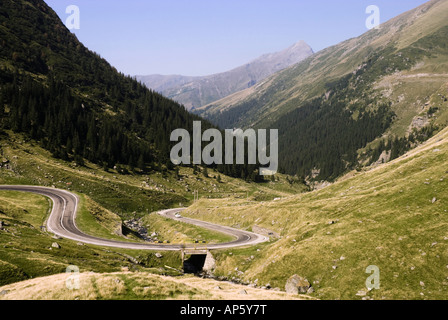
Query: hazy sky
x,y
201,37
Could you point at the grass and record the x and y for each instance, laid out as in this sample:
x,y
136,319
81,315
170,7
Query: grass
x,y
106,198
27,208
384,217
26,251
128,196
179,232
94,220
136,286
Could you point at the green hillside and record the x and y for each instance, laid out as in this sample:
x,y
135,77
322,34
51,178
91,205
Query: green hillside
x,y
333,109
108,200
72,101
393,217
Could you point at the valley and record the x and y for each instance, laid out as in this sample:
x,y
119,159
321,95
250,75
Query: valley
x,y
88,180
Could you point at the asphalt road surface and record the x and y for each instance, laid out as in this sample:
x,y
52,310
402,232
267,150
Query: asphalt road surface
x,y
62,223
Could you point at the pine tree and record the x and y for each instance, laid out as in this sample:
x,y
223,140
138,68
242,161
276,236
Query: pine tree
x,y
141,163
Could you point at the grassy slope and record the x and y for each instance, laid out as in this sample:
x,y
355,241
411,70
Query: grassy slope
x,y
178,232
384,217
106,199
136,286
126,195
26,251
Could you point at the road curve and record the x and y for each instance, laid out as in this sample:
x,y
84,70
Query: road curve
x,y
62,223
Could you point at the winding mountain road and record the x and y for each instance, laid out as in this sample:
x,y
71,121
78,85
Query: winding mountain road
x,y
62,223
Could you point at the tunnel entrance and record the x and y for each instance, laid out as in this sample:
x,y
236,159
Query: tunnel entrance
x,y
194,263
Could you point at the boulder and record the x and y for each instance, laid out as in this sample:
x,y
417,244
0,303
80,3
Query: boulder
x,y
361,293
297,284
56,245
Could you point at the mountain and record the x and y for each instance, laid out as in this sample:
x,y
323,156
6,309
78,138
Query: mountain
x,y
365,100
73,102
198,91
76,105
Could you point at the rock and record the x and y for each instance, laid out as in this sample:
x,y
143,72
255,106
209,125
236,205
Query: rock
x,y
434,200
158,255
217,288
297,284
1,225
4,292
56,245
422,283
243,292
310,290
361,293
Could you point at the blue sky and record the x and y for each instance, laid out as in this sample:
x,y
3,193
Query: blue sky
x,y
201,37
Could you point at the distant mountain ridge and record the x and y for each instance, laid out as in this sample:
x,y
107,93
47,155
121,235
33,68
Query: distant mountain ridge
x,y
194,92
